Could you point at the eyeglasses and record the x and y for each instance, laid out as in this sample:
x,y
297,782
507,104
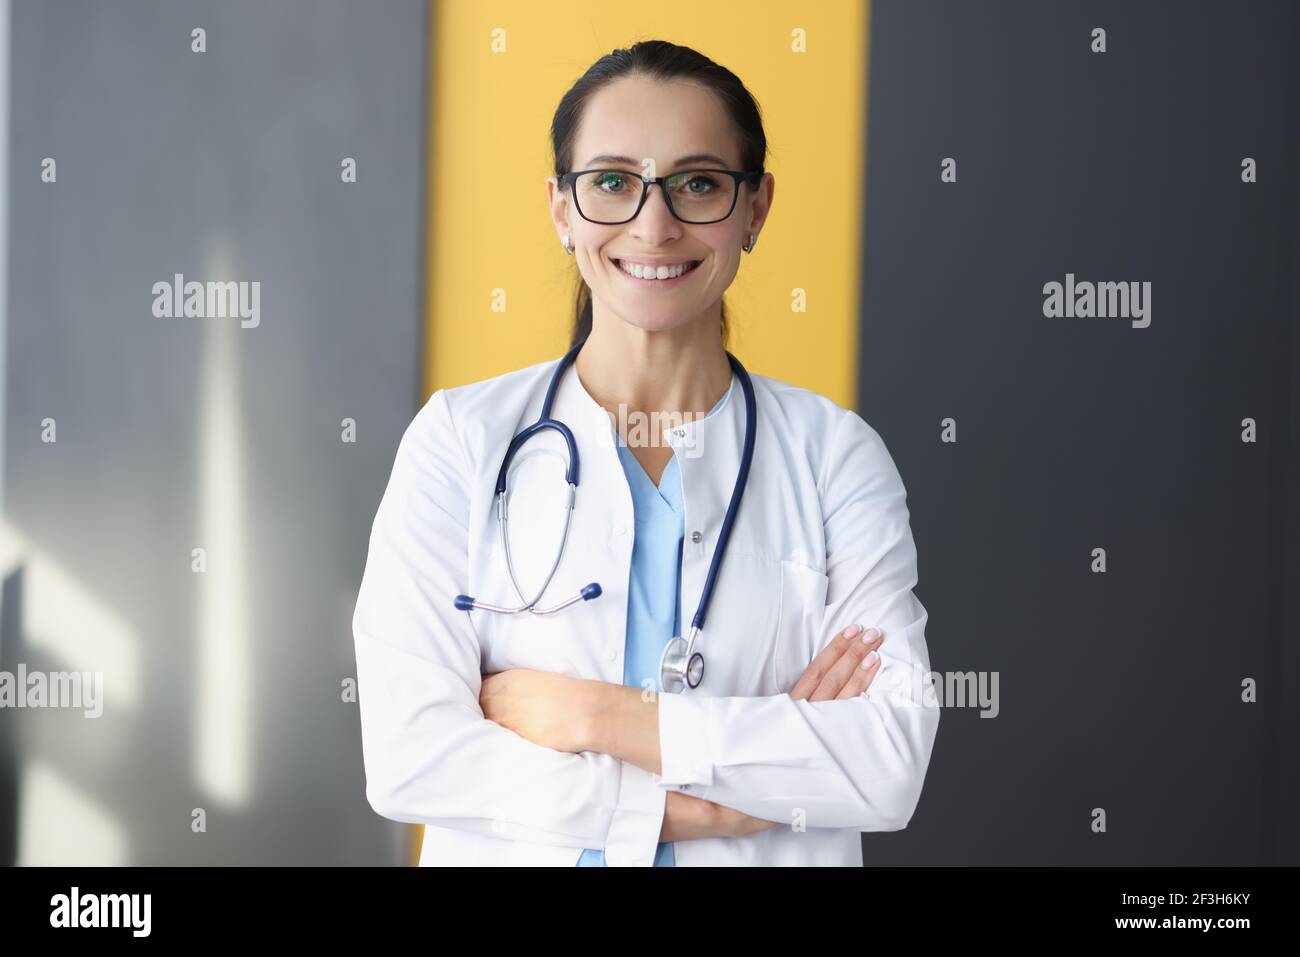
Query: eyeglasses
x,y
610,197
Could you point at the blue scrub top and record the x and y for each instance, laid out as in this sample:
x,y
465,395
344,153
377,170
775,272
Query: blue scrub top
x,y
654,588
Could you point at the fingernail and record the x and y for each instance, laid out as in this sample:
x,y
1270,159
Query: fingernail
x,y
871,634
870,660
852,630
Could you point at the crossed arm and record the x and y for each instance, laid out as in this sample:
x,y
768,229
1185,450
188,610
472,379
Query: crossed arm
x,y
576,714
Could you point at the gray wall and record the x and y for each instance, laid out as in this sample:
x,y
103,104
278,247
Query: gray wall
x,y
1118,690
222,689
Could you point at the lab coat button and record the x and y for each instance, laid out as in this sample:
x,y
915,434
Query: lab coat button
x,y
696,536
611,654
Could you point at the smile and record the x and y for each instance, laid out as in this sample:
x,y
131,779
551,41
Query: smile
x,y
656,275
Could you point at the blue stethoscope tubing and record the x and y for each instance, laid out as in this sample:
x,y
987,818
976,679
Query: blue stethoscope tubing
x,y
680,665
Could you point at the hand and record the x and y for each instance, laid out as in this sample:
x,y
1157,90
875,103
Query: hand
x,y
537,705
837,673
687,818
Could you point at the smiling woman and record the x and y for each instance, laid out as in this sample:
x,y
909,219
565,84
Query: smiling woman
x,y
580,730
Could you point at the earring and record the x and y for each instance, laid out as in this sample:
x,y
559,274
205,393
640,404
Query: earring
x,y
567,248
749,246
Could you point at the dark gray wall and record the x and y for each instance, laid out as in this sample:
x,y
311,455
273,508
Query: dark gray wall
x,y
177,433
1118,690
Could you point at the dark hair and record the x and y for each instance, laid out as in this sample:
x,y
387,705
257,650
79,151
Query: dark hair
x,y
659,60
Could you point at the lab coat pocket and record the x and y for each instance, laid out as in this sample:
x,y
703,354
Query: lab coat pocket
x,y
803,611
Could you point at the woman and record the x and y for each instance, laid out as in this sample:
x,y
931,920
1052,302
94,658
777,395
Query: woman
x,y
549,739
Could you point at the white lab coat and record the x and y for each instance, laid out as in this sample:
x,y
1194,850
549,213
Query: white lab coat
x,y
821,541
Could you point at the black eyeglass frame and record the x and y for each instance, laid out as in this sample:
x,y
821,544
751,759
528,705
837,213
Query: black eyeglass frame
x,y
750,177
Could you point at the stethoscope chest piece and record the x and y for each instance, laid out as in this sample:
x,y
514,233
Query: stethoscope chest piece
x,y
679,666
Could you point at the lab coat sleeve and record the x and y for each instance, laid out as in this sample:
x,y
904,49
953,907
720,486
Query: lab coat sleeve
x,y
857,763
430,755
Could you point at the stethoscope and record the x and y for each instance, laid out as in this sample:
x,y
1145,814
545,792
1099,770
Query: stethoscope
x,y
680,665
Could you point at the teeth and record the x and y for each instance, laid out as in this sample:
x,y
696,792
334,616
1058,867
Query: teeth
x,y
652,272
